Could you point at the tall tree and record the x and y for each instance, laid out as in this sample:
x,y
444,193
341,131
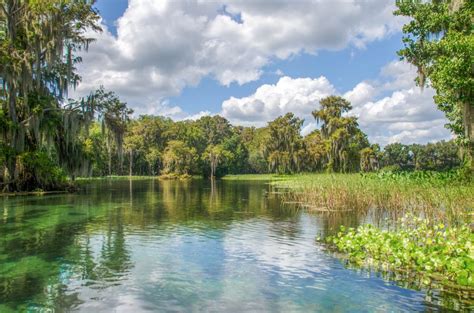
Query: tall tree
x,y
398,156
145,141
317,150
439,41
114,116
215,128
179,158
369,158
39,40
253,140
342,134
284,147
214,155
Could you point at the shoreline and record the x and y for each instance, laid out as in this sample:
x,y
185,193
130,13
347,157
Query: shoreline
x,y
33,193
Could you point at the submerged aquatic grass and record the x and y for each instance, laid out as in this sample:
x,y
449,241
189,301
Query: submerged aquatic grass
x,y
447,200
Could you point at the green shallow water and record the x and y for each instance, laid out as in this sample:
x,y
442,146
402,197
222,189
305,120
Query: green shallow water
x,y
146,245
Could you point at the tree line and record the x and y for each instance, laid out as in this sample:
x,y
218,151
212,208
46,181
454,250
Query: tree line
x,y
211,146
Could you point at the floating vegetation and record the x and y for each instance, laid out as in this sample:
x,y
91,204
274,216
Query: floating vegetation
x,y
416,250
436,251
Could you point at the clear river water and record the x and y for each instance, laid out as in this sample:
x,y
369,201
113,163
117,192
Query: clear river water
x,y
178,246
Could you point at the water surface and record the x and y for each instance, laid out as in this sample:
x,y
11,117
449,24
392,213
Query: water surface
x,y
146,245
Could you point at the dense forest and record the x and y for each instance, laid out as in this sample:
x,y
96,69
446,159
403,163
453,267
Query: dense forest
x,y
46,137
211,146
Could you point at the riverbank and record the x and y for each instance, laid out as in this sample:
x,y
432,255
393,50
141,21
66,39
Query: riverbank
x,y
441,198
32,193
113,177
258,177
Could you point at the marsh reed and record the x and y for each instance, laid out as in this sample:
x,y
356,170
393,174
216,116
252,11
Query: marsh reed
x,y
448,201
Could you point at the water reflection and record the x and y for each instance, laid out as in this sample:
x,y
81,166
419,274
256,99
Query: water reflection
x,y
179,246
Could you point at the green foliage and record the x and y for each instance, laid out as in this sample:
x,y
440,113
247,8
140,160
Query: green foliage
x,y
114,117
254,140
397,154
38,171
439,41
214,129
283,148
439,156
179,158
421,177
214,155
433,251
276,148
237,159
316,149
369,158
344,140
37,65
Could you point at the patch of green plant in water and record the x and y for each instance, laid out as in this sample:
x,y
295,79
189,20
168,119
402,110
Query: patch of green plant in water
x,y
434,252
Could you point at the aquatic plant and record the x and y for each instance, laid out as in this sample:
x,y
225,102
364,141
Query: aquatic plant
x,y
434,252
424,177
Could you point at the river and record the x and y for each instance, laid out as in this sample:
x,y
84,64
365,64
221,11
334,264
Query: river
x,y
178,246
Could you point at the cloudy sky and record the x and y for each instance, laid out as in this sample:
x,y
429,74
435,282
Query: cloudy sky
x,y
253,60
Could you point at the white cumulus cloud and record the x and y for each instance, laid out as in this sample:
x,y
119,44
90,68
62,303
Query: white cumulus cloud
x,y
298,95
390,109
163,46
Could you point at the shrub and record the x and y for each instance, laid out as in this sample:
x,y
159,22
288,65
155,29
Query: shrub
x,y
39,172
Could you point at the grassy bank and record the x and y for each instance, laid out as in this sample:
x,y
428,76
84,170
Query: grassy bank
x,y
32,193
113,177
440,198
258,177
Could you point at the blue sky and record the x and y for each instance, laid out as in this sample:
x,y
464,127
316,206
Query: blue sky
x,y
251,61
343,68
111,10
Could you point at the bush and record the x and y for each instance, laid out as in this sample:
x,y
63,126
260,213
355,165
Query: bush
x,y
39,172
391,169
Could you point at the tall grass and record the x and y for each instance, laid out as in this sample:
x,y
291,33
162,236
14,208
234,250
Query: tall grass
x,y
437,197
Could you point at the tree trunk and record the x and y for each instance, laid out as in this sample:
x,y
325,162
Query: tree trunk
x,y
214,161
468,121
110,164
131,163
